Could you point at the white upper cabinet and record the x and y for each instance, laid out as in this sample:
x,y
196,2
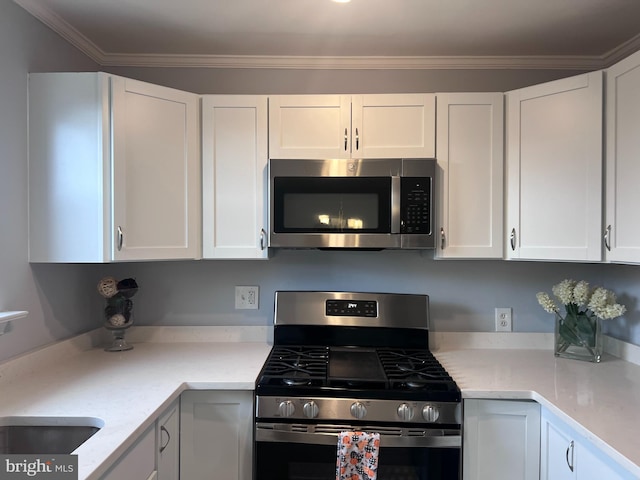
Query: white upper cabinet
x,y
155,171
622,231
392,126
113,170
345,126
470,175
554,170
234,176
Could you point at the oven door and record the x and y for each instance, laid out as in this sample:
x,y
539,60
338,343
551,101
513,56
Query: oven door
x,y
308,452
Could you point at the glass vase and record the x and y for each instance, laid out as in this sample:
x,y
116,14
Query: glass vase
x,y
578,337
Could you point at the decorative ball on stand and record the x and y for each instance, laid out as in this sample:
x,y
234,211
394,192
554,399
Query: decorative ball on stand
x,y
118,312
108,287
117,320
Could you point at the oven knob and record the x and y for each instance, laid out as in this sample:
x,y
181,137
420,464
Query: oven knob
x,y
286,408
358,410
310,409
430,413
405,412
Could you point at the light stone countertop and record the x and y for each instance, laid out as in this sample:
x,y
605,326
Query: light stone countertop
x,y
128,390
600,401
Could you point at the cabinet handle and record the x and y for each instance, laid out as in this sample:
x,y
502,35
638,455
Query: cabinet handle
x,y
570,463
607,238
263,236
513,239
345,139
163,429
357,140
442,238
120,238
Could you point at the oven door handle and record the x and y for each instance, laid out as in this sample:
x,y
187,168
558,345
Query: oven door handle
x,y
269,434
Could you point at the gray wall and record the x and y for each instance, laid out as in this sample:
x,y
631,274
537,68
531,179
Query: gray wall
x,y
26,45
463,294
266,81
62,299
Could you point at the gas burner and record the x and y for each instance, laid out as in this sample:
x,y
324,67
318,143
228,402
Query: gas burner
x,y
296,382
414,385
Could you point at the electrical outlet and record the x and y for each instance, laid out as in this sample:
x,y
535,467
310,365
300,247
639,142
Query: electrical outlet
x,y
503,320
247,297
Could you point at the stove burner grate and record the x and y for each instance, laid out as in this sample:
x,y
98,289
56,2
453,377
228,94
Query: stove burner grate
x,y
414,369
296,366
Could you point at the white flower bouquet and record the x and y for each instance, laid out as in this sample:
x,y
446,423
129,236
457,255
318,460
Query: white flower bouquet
x,y
578,331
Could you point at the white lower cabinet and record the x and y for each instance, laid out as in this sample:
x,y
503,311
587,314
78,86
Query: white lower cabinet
x,y
566,455
155,455
501,440
168,443
216,435
139,462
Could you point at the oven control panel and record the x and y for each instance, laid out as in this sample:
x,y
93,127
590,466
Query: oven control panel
x,y
351,308
346,409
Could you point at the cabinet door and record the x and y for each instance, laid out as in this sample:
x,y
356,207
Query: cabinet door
x,y
623,166
310,126
501,440
558,451
156,180
234,176
168,444
470,177
216,435
392,126
554,170
139,462
567,455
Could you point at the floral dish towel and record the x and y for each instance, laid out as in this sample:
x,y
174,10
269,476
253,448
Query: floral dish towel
x,y
357,457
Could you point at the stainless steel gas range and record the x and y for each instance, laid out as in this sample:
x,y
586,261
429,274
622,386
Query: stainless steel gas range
x,y
347,361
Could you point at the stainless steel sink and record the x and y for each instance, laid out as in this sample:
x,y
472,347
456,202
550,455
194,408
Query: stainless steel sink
x,y
45,435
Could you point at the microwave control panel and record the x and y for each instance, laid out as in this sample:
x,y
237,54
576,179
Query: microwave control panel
x,y
415,205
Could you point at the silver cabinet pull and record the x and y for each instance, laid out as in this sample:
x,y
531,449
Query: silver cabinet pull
x,y
346,137
263,237
607,238
570,463
442,238
163,429
120,238
357,140
513,239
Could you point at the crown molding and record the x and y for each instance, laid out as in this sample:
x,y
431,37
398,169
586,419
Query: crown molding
x,y
621,51
546,62
354,63
62,28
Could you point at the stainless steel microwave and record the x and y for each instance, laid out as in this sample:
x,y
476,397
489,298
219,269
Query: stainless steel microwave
x,y
352,204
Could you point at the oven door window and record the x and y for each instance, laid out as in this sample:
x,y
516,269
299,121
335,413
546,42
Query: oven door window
x,y
294,461
332,204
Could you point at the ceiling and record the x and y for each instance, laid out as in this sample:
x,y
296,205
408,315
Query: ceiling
x,y
580,34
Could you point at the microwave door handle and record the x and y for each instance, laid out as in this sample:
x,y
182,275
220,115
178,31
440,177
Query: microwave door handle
x,y
395,204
